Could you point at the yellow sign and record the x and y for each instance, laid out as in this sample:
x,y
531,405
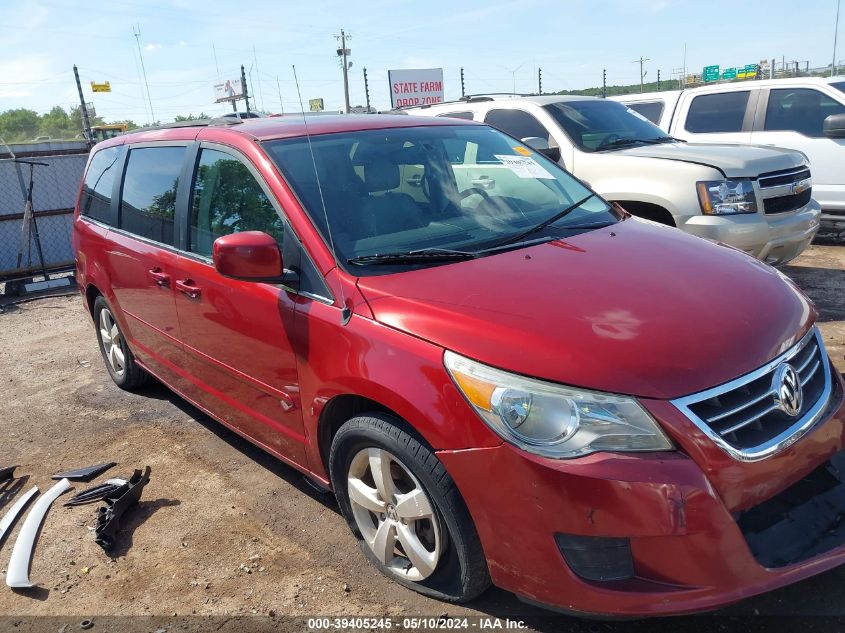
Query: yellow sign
x,y
103,87
522,150
315,105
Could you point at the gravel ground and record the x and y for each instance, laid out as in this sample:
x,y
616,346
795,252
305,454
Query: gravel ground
x,y
223,529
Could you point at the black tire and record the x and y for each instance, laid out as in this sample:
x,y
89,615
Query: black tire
x,y
461,573
132,377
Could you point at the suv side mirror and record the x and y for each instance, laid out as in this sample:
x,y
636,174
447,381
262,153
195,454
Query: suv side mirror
x,y
248,256
834,126
542,146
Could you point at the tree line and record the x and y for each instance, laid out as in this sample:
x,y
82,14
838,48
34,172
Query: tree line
x,y
22,124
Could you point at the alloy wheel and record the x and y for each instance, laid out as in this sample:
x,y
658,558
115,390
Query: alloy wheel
x,y
394,514
112,343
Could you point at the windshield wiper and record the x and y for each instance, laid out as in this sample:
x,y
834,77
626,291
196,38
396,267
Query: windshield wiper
x,y
621,142
412,257
535,229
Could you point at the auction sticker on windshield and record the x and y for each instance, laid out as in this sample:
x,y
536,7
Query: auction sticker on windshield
x,y
524,166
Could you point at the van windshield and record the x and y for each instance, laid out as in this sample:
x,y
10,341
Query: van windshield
x,y
431,194
599,125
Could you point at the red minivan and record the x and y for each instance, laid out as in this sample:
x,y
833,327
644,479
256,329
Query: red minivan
x,y
502,377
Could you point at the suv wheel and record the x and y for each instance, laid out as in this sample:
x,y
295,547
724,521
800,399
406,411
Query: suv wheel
x,y
405,510
119,360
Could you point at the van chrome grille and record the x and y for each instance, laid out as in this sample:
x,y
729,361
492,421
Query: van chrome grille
x,y
745,416
785,190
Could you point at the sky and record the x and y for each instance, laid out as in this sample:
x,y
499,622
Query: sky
x,y
500,45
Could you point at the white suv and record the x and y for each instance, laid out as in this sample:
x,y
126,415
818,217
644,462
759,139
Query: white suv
x,y
757,199
803,113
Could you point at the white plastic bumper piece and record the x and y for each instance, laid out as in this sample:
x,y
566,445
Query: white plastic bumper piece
x,y
18,572
10,516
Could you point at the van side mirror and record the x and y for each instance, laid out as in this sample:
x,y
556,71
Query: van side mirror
x,y
248,256
542,146
834,126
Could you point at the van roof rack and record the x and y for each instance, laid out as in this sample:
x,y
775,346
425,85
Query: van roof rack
x,y
212,122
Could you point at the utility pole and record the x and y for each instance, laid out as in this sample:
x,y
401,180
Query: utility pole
x,y
343,52
243,86
86,123
658,79
540,80
835,37
604,83
137,32
641,61
463,91
367,90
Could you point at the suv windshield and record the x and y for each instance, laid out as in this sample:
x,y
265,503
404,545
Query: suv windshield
x,y
419,196
604,125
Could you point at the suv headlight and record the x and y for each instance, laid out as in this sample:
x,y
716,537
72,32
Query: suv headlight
x,y
726,197
552,420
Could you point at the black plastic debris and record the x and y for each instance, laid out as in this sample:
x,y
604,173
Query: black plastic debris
x,y
108,516
85,474
7,473
96,493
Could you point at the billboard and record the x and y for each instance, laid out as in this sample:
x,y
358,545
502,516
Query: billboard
x,y
415,86
229,90
316,105
100,87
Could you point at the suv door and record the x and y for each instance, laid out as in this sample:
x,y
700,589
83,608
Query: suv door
x,y
238,335
718,117
521,124
141,255
793,118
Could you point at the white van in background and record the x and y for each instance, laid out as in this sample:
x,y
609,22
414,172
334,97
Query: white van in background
x,y
803,113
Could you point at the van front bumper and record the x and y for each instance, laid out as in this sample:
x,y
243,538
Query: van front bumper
x,y
773,238
686,549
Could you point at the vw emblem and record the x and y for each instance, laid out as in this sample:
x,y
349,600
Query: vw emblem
x,y
786,385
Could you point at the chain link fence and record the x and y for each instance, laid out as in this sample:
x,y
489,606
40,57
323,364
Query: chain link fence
x,y
54,192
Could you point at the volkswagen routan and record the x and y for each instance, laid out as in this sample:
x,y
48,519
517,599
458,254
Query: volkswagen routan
x,y
502,377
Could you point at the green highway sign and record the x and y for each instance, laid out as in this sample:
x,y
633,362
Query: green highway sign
x,y
710,73
729,73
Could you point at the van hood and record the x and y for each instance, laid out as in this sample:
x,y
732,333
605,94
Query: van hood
x,y
734,161
635,308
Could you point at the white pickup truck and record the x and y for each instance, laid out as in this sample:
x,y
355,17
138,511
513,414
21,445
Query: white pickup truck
x,y
757,199
802,113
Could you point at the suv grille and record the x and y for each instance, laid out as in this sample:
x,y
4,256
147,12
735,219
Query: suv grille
x,y
745,416
785,190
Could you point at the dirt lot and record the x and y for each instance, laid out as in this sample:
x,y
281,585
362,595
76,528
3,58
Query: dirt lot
x,y
223,529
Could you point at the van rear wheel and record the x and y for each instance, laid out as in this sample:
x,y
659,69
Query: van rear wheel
x,y
120,362
405,510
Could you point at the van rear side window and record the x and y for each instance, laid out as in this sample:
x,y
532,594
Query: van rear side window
x,y
148,201
652,110
723,112
96,192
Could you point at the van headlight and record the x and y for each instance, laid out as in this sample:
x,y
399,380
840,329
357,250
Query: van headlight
x,y
552,420
726,197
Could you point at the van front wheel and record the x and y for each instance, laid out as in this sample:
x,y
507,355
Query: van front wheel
x,y
405,510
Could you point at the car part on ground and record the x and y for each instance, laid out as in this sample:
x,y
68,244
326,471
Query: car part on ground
x,y
85,474
108,517
106,489
17,574
10,516
7,473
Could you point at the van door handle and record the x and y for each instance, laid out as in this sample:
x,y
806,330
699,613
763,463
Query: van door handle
x,y
160,278
187,287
